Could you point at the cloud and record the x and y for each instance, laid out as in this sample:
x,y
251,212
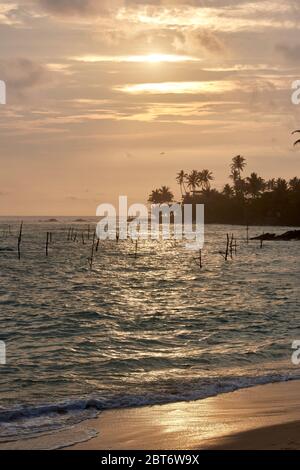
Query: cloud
x,y
90,7
79,7
119,19
199,40
8,13
23,74
99,7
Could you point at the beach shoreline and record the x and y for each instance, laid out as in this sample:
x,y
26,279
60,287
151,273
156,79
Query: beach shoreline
x,y
260,417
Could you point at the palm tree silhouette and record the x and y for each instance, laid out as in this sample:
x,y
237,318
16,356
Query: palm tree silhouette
x,y
193,180
237,167
228,191
204,178
181,177
161,195
250,199
166,194
255,184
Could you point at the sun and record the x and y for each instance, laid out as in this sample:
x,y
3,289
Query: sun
x,y
155,58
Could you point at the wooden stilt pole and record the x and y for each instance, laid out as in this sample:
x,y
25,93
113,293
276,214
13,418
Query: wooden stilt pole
x,y
19,240
231,246
227,248
91,259
47,243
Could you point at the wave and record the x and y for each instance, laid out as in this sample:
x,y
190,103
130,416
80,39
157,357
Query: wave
x,y
26,422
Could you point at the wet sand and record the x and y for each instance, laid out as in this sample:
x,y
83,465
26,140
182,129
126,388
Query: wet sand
x,y
262,417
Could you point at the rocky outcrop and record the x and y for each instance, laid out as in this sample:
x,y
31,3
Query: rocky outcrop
x,y
287,236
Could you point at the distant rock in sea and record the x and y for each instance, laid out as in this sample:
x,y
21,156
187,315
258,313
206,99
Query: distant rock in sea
x,y
286,236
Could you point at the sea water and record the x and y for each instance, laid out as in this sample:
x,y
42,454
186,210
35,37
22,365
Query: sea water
x,y
134,331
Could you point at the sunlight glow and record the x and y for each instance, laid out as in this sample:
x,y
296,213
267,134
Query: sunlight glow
x,y
177,87
150,58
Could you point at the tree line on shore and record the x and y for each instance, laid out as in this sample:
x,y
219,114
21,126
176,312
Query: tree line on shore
x,y
245,200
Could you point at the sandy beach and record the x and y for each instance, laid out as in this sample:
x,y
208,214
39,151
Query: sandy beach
x,y
262,417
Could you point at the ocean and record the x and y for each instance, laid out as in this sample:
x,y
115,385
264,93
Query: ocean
x,y
135,331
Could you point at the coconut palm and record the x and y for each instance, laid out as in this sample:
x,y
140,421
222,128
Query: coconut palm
x,y
240,187
237,167
204,178
166,194
193,180
234,175
161,195
255,185
228,191
155,197
181,177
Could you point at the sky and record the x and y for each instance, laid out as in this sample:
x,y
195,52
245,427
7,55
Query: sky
x,y
114,97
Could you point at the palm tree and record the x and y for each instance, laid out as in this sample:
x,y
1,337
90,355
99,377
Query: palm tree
x,y
155,197
255,185
237,167
181,176
193,180
162,195
228,191
204,178
240,187
166,194
234,175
